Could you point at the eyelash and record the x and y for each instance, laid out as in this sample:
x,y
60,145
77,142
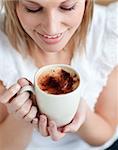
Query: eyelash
x,y
33,11
40,9
68,9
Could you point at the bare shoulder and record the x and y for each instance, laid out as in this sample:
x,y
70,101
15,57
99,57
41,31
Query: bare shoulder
x,y
107,104
3,110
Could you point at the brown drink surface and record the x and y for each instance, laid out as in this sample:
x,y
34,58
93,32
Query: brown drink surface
x,y
58,81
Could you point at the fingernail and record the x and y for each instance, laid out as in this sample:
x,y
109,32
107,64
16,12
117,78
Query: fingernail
x,y
51,124
23,81
35,121
42,119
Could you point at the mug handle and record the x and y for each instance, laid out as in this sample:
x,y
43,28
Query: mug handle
x,y
30,89
27,88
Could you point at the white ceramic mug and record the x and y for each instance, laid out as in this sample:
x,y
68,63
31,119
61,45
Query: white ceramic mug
x,y
60,108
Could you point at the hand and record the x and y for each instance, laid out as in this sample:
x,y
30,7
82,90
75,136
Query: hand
x,y
50,129
19,105
78,119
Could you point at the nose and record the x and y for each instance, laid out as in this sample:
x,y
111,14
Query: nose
x,y
51,23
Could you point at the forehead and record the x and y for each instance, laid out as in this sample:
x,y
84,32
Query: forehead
x,y
44,2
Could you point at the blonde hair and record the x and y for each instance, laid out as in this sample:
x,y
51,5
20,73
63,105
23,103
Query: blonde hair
x,y
22,42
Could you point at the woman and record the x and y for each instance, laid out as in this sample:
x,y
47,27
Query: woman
x,y
36,33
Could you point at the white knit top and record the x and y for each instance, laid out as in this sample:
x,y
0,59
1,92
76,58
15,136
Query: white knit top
x,y
94,67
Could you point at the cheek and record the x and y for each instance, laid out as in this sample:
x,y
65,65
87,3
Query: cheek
x,y
77,16
28,23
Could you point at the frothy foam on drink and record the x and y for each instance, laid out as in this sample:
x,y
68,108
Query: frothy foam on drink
x,y
58,81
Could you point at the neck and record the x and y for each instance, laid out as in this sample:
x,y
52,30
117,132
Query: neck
x,y
42,58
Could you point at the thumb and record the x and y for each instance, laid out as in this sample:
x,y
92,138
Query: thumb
x,y
23,82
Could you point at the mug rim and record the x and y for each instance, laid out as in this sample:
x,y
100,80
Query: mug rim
x,y
51,66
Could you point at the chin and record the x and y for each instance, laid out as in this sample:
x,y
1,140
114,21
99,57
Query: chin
x,y
52,49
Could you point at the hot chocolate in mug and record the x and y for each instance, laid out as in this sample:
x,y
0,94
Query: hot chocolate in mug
x,y
57,90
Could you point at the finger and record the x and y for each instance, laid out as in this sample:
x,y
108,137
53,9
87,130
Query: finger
x,y
43,125
71,128
31,115
53,131
10,93
74,125
23,82
24,110
18,101
78,120
80,115
35,123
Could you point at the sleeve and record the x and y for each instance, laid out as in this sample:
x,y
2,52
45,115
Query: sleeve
x,y
107,59
106,56
109,52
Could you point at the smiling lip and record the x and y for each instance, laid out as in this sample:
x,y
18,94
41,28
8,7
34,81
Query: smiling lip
x,y
51,39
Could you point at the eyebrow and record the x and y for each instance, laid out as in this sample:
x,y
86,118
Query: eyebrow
x,y
30,1
34,2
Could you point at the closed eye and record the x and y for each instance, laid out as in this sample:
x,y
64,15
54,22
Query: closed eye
x,y
67,9
31,10
34,10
